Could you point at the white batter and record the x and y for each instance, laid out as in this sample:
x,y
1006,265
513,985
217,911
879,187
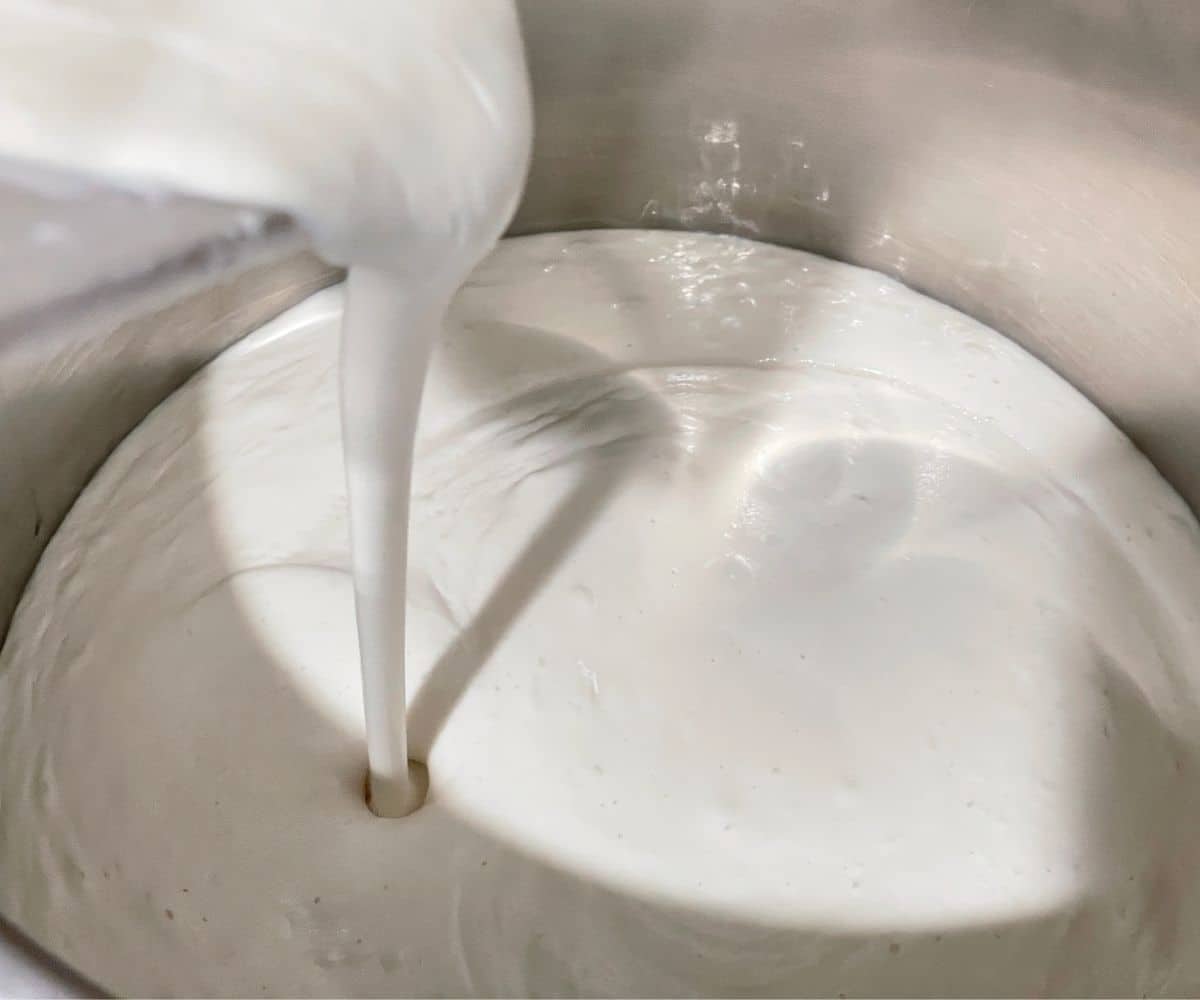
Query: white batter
x,y
774,629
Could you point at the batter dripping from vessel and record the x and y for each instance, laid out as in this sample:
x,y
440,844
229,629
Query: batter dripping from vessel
x,y
763,638
405,161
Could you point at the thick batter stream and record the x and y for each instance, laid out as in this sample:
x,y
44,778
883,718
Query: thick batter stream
x,y
398,133
773,629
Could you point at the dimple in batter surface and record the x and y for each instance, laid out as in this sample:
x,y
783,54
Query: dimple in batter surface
x,y
773,629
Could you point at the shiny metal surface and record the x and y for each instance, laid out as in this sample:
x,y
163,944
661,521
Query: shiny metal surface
x,y
112,311
1035,163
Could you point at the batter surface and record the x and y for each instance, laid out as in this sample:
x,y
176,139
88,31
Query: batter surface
x,y
772,629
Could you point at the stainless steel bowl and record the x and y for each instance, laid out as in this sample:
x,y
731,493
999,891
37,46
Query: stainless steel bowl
x,y
1035,163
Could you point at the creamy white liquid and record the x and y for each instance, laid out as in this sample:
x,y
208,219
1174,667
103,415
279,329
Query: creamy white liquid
x,y
398,132
773,629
